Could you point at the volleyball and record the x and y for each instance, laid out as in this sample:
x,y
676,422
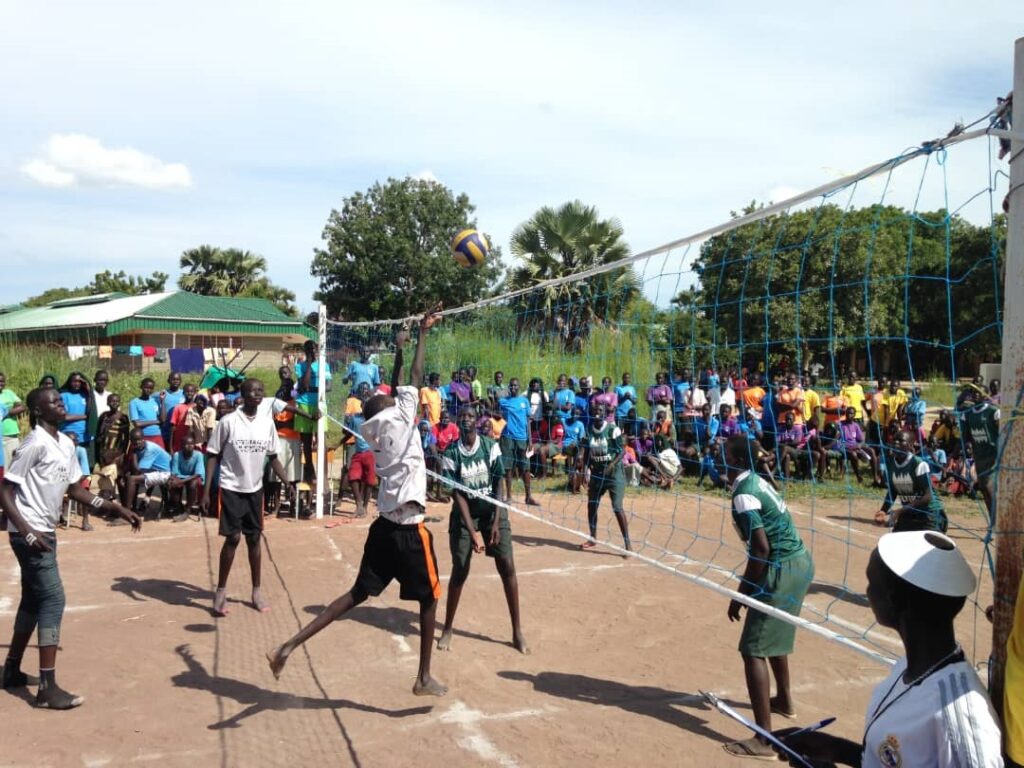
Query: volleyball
x,y
469,248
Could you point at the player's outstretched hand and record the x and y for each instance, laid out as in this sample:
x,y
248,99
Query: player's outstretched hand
x,y
130,516
478,542
735,607
432,317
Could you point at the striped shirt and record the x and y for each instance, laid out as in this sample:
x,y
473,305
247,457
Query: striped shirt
x,y
945,721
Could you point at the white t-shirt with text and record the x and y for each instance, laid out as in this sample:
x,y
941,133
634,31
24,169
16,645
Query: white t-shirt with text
x,y
243,445
43,467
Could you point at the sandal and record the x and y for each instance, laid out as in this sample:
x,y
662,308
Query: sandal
x,y
746,749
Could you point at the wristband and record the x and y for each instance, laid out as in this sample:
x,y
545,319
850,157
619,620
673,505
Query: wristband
x,y
97,501
31,538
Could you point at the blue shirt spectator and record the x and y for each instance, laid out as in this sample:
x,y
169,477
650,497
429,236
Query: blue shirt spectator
x,y
75,405
563,396
768,417
311,397
357,373
354,422
574,432
583,403
516,412
679,390
153,458
622,409
188,466
146,410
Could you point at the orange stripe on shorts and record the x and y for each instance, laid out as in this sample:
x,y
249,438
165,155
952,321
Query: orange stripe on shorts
x,y
428,554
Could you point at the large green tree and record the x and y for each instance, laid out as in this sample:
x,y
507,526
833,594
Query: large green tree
x,y
104,282
558,242
904,290
386,252
211,271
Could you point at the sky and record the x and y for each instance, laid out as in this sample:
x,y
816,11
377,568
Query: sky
x,y
132,131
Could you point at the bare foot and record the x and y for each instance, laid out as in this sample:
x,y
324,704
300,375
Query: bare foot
x,y
588,544
277,658
445,642
258,602
220,603
532,502
519,643
429,688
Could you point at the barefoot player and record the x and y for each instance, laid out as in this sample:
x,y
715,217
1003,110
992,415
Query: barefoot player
x,y
44,468
475,462
398,545
240,445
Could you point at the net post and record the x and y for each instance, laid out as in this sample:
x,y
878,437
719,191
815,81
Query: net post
x,y
321,403
1009,533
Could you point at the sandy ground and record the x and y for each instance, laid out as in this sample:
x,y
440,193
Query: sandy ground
x,y
621,649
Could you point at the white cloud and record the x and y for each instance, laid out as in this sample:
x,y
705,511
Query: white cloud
x,y
425,175
73,158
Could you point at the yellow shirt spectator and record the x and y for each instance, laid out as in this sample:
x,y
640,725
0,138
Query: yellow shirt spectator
x,y
430,399
891,405
811,401
853,394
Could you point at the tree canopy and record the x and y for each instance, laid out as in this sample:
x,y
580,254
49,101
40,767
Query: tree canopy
x,y
104,282
386,252
556,242
212,271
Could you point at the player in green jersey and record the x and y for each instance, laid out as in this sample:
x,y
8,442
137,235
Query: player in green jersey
x,y
602,455
910,485
475,462
979,425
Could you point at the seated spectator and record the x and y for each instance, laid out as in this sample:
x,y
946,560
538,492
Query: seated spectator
x,y
726,394
547,440
630,466
632,424
188,475
149,465
727,424
574,433
857,451
663,426
795,448
710,468
917,407
832,447
945,432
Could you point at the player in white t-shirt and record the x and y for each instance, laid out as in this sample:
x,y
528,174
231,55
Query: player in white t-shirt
x,y
398,546
45,466
932,711
240,445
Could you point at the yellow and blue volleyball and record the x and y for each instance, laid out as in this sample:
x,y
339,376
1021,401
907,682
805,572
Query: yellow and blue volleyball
x,y
469,248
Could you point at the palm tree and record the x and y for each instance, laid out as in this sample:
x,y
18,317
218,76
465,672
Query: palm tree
x,y
559,242
211,271
199,273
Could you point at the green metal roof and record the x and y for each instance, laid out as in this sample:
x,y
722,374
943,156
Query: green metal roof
x,y
178,312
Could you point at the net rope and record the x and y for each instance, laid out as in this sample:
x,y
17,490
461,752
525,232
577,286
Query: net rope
x,y
766,289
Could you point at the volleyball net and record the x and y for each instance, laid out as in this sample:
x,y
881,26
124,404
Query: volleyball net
x,y
881,291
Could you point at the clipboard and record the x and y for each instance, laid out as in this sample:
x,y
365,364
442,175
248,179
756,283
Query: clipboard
x,y
725,709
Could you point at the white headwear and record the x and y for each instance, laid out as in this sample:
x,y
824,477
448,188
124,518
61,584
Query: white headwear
x,y
928,560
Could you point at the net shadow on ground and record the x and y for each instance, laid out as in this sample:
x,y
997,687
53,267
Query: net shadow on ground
x,y
260,699
649,701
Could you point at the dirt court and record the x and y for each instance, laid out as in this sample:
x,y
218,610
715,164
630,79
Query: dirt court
x,y
620,650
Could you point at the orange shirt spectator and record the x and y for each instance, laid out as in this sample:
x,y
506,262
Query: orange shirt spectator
x,y
792,396
833,403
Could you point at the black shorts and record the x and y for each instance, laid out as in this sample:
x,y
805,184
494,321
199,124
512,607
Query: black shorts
x,y
241,513
402,552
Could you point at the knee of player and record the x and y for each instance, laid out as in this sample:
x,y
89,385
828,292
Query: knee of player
x,y
252,540
232,540
506,567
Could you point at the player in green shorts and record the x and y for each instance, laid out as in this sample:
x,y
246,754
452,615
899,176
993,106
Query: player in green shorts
x,y
602,455
778,573
910,483
979,425
475,462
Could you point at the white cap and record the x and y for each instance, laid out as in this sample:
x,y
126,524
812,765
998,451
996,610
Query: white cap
x,y
929,560
587,381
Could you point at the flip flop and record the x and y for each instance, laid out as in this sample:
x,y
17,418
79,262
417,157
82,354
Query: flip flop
x,y
588,545
332,524
743,749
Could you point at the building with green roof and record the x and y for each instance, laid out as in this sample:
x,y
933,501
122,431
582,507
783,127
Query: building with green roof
x,y
171,320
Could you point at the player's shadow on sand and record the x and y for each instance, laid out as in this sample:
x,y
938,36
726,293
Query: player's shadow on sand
x,y
659,703
397,621
260,699
838,592
168,591
540,541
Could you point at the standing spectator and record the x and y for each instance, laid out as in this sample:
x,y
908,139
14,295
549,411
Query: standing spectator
x,y
516,440
144,411
475,387
779,572
563,397
430,399
170,399
362,470
853,394
498,390
175,418
752,397
362,372
383,388
626,395
659,396
445,433
993,391
538,400
606,396
917,408
14,407
714,393
460,392
680,387
815,369
790,400
289,443
583,399
726,394
113,436
100,380
80,409
812,402
833,406
307,375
